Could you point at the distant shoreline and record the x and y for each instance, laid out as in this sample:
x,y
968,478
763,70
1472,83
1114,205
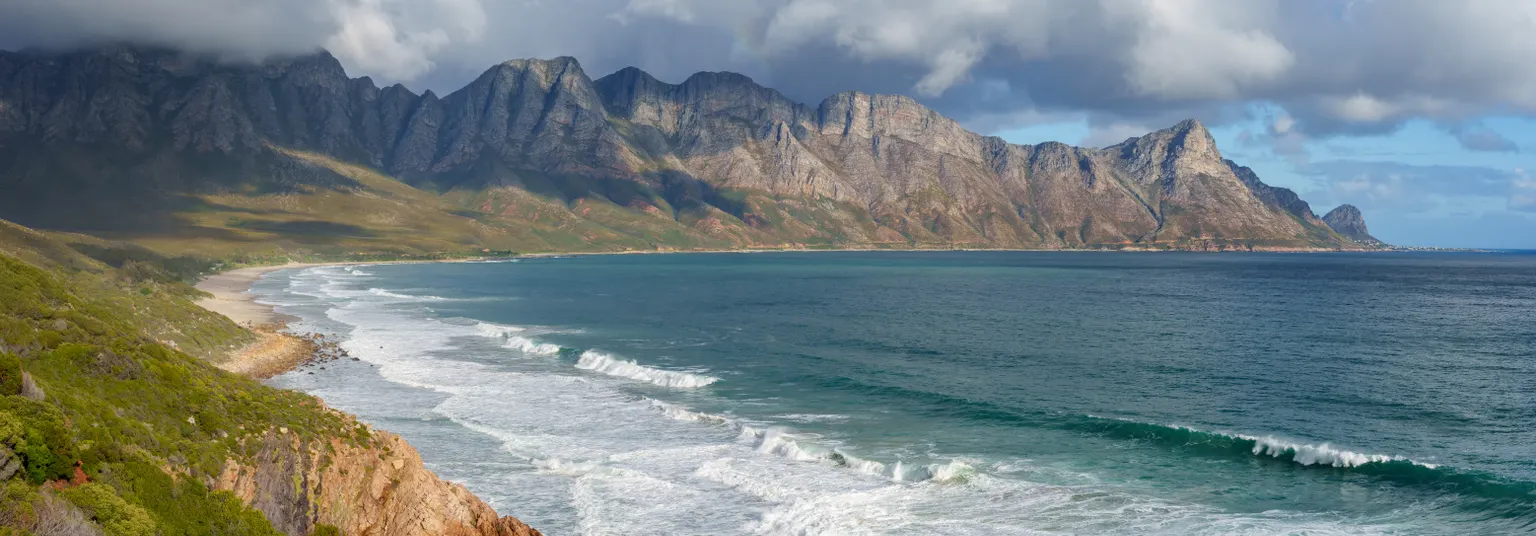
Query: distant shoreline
x,y
231,289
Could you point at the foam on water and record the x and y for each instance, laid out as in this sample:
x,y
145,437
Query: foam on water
x,y
1323,454
601,362
1306,454
680,413
632,464
497,330
390,294
532,347
510,339
785,443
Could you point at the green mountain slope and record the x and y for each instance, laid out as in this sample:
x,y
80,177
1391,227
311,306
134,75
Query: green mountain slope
x,y
110,425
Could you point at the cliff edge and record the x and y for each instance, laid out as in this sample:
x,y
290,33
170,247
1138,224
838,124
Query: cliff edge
x,y
378,488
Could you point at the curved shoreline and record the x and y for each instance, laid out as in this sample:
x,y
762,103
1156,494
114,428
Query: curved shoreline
x,y
231,297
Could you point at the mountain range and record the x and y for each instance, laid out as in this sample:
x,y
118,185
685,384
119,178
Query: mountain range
x,y
191,154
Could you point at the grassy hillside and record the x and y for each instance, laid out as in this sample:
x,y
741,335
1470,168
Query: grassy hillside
x,y
108,423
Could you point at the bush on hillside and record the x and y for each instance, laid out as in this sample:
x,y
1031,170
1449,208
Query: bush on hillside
x,y
10,374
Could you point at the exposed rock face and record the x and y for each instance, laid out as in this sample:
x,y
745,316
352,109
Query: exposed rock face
x,y
381,489
719,155
1347,221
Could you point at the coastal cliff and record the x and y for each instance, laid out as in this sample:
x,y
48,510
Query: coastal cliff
x,y
115,420
378,489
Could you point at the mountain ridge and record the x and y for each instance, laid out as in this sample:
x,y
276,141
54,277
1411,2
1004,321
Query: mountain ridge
x,y
537,155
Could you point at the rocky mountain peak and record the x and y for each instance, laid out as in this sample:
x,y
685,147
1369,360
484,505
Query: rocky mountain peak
x,y
862,115
1347,220
1191,139
725,80
906,173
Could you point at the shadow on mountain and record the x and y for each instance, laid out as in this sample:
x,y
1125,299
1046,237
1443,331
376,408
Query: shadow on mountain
x,y
307,230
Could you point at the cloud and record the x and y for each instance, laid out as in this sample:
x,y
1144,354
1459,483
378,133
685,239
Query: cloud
x,y
1104,135
391,39
1522,192
1407,188
234,27
1335,66
1478,137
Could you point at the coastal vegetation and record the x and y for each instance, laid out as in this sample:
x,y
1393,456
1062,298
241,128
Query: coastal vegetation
x,y
108,422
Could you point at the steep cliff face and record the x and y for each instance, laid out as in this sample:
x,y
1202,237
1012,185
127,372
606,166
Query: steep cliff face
x,y
377,487
715,161
1347,221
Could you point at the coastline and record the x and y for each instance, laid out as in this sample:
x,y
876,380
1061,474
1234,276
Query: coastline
x,y
276,352
418,500
231,296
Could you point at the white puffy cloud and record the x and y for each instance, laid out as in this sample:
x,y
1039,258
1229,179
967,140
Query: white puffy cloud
x,y
1202,49
399,39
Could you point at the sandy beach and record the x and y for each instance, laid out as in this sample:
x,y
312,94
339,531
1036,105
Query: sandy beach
x,y
273,352
230,297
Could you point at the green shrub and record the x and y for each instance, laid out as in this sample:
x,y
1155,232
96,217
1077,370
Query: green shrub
x,y
44,443
10,374
183,506
119,400
115,515
326,530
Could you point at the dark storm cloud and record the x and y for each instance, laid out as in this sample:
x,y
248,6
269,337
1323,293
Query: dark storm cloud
x,y
1336,66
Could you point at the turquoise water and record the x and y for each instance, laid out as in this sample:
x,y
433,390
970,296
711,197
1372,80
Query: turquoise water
x,y
953,393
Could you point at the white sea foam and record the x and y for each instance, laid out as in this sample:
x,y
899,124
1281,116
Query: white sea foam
x,y
1324,454
800,447
497,330
388,294
600,362
1301,453
532,347
812,417
565,467
680,413
607,462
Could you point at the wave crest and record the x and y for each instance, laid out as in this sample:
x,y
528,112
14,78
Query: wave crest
x,y
600,362
388,294
780,442
1323,454
680,413
532,347
497,330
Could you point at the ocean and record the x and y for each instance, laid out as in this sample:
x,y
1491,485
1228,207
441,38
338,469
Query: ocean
x,y
951,393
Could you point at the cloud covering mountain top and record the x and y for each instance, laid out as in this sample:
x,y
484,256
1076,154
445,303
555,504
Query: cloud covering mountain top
x,y
1337,66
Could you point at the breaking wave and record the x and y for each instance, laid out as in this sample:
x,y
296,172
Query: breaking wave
x,y
532,347
680,413
388,294
511,339
600,362
497,330
781,442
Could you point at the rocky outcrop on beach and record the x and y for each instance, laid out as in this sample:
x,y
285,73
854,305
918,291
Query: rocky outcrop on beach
x,y
714,161
370,484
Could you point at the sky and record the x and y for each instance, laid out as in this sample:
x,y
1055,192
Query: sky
x,y
1420,112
